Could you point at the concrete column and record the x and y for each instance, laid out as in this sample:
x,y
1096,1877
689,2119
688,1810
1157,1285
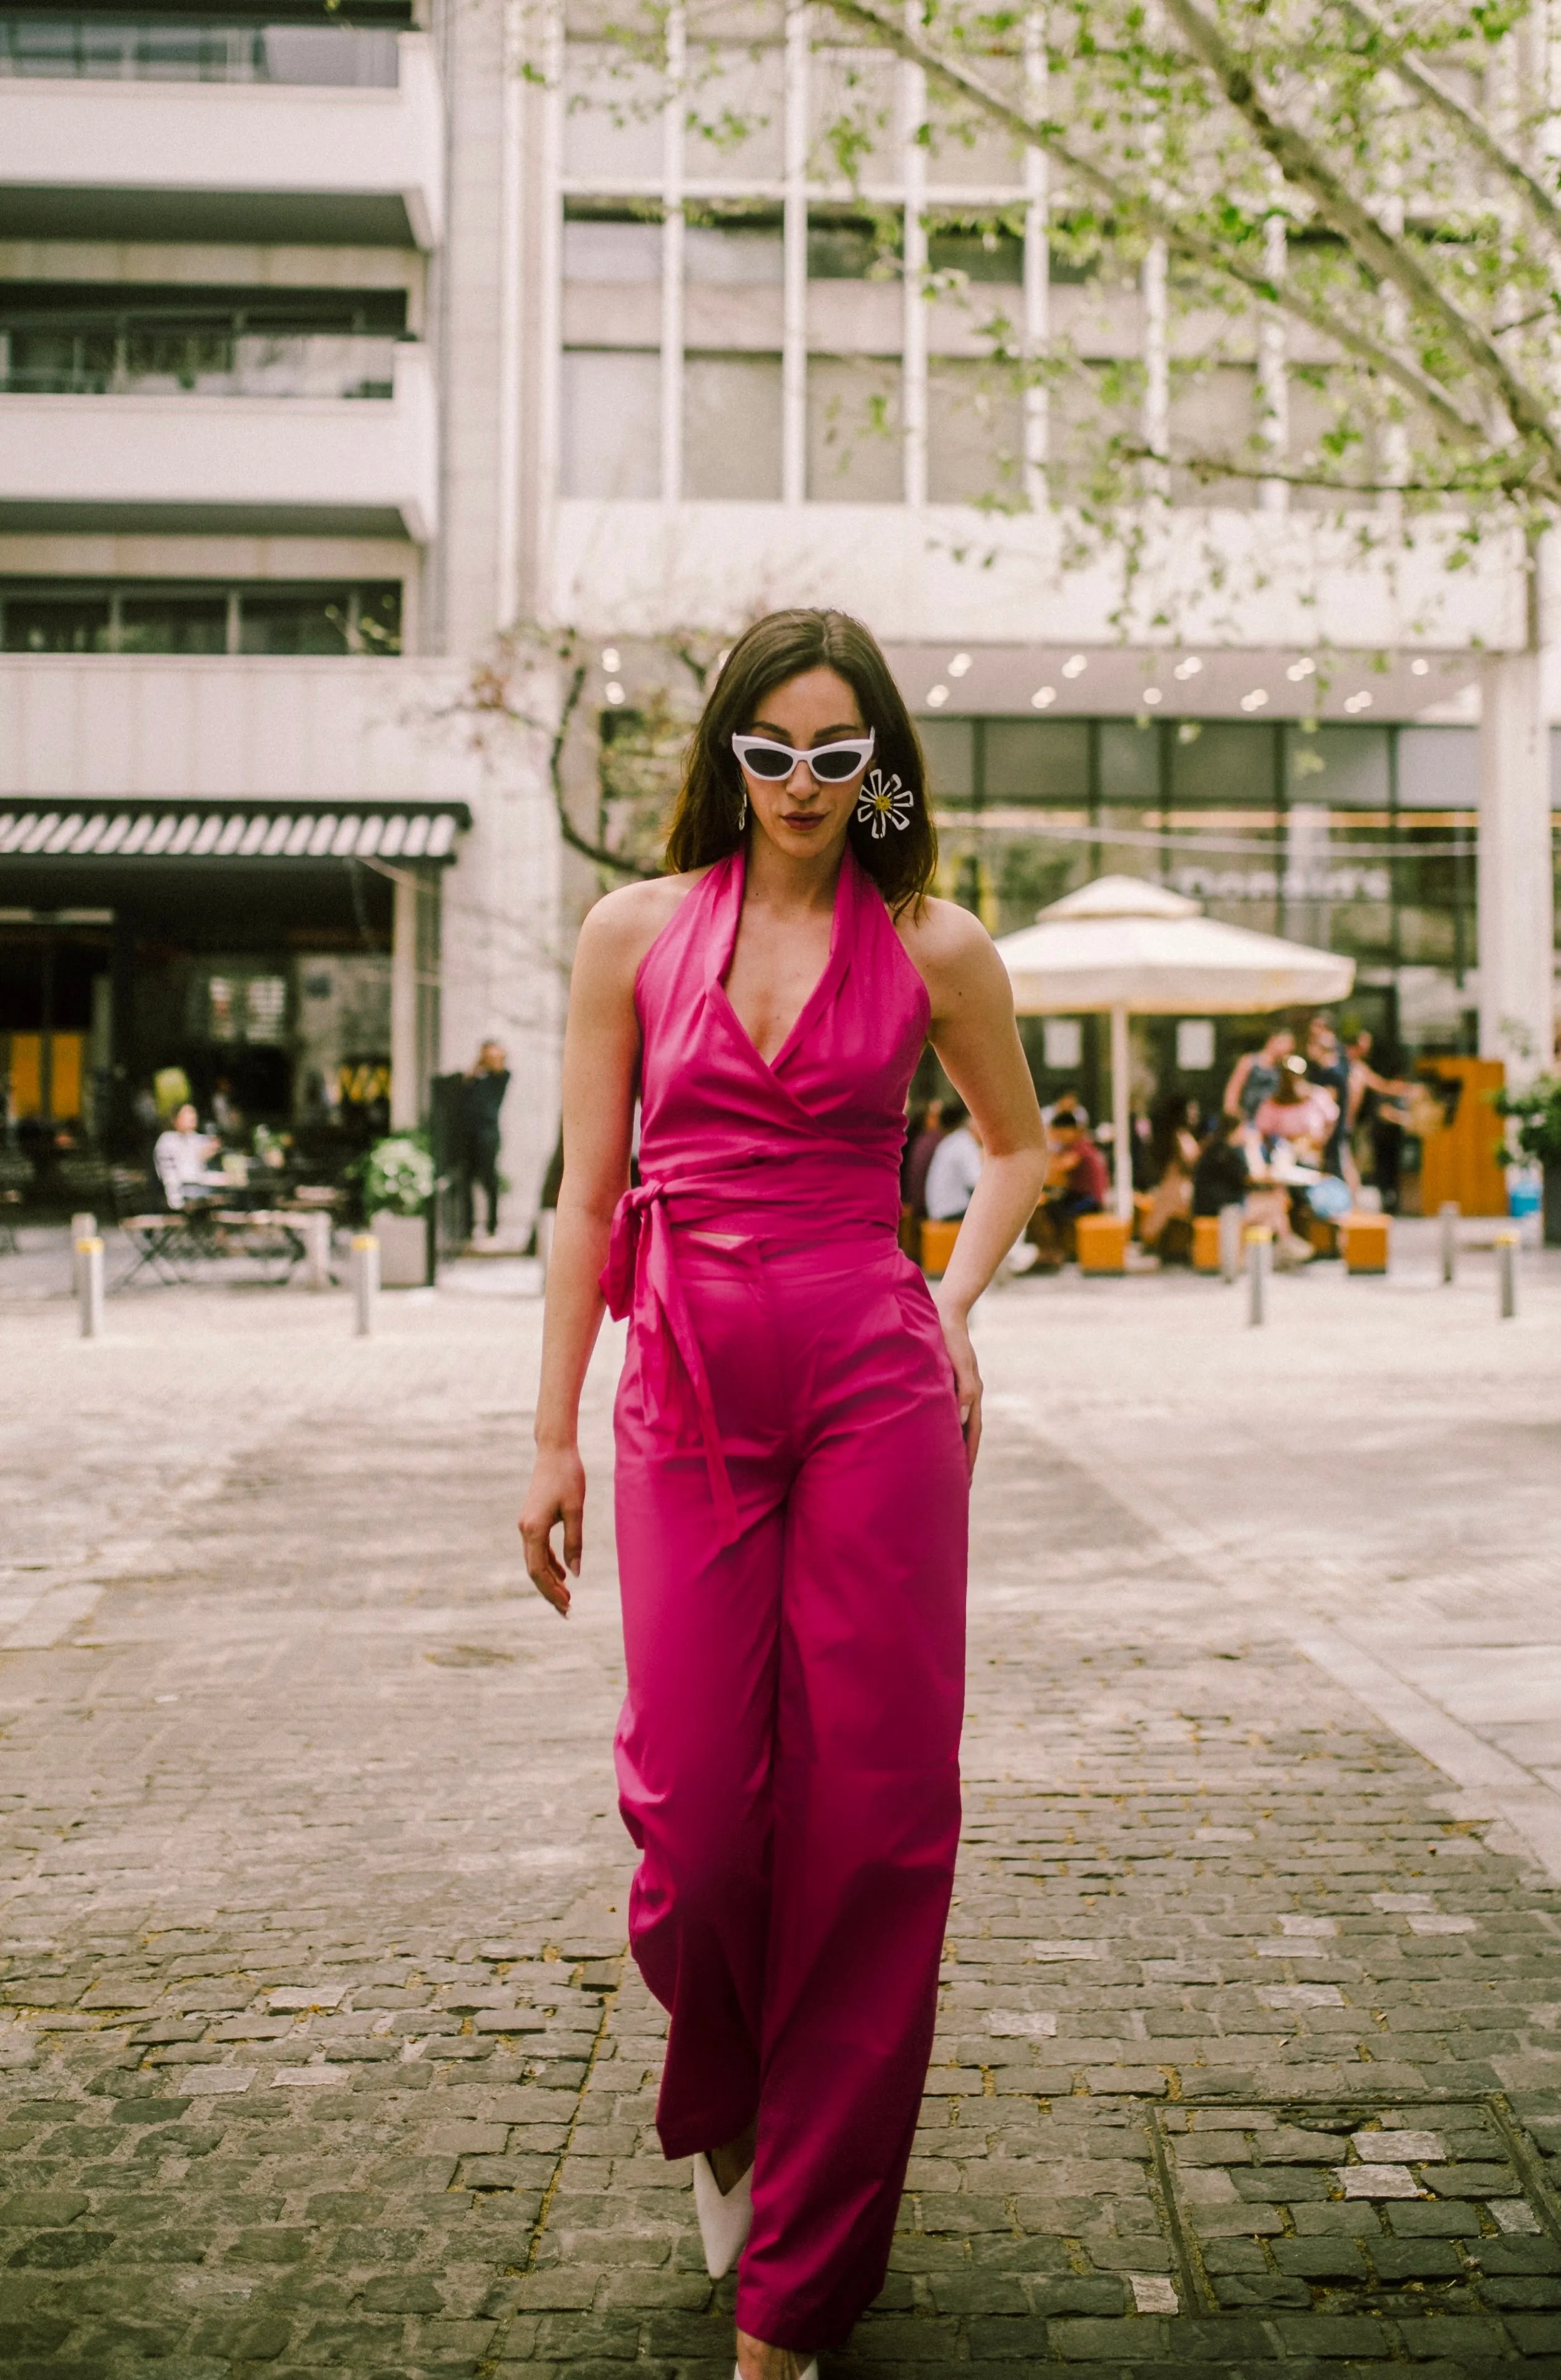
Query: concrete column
x,y
913,389
1515,899
406,1086
1121,1112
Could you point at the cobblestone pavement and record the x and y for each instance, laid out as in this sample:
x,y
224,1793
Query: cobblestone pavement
x,y
317,2045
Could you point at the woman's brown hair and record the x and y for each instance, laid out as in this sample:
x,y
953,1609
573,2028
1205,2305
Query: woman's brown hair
x,y
705,824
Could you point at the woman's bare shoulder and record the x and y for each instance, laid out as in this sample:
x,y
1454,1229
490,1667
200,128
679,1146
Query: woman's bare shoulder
x,y
620,927
958,961
942,939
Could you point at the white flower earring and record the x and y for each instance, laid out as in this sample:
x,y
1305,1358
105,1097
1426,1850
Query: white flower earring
x,y
884,803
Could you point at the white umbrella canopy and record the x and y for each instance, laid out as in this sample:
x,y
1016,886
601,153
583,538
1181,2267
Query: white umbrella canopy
x,y
1122,942
1124,945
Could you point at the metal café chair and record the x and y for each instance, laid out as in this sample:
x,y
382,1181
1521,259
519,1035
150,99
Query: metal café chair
x,y
158,1236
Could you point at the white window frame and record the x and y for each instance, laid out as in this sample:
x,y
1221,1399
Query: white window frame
x,y
917,197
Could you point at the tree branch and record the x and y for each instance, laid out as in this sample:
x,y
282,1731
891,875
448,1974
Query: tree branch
x,y
1285,296
1474,126
1305,168
596,852
1217,467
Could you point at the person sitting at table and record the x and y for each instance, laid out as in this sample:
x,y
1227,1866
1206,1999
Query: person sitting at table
x,y
923,1136
955,1167
1172,1157
1300,1116
1221,1176
1296,1126
181,1157
1077,1183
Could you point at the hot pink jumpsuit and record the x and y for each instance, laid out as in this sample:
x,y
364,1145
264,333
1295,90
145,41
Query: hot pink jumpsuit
x,y
791,1504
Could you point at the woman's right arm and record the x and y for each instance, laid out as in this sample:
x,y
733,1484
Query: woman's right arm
x,y
600,1054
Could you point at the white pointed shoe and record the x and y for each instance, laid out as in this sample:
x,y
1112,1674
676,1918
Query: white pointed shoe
x,y
725,2217
811,2373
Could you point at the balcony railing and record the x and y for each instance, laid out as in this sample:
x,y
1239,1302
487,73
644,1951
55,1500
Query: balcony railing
x,y
240,466
151,49
198,363
145,154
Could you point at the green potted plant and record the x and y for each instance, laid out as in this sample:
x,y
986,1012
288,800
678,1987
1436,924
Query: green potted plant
x,y
397,1178
1536,1110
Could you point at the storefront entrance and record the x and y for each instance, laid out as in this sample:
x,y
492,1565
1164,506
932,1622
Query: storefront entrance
x,y
248,955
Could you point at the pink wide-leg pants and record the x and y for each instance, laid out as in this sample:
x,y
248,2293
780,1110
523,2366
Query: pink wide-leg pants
x,y
788,1752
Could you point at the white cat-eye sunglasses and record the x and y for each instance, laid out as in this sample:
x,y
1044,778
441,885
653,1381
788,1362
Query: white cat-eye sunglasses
x,y
831,764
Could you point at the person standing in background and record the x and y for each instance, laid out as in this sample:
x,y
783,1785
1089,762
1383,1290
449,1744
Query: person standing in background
x,y
1327,1066
482,1096
1255,1075
1371,1114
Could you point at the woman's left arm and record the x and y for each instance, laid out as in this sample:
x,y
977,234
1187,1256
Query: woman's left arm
x,y
974,1032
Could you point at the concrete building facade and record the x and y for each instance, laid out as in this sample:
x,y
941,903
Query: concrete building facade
x,y
351,355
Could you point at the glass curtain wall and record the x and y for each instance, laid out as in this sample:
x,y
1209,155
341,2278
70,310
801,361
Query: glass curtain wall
x,y
1359,838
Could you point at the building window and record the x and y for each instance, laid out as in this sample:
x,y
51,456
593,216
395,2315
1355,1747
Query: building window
x,y
731,428
853,445
613,251
131,616
173,623
612,423
320,620
65,623
93,45
1359,838
815,202
611,116
974,434
97,339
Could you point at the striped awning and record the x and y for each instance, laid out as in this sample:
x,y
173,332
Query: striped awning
x,y
228,832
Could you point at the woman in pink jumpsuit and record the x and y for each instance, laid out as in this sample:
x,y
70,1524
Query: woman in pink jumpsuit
x,y
797,1421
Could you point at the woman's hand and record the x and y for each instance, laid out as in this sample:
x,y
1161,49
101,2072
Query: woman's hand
x,y
967,1380
557,1494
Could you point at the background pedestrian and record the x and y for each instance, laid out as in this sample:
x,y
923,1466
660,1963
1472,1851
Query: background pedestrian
x,y
482,1096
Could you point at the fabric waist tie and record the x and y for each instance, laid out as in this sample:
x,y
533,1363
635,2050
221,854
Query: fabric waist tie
x,y
652,1287
641,1277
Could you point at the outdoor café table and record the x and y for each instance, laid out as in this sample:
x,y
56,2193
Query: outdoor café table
x,y
268,1234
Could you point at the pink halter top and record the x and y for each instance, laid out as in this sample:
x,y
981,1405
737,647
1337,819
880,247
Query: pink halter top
x,y
798,1150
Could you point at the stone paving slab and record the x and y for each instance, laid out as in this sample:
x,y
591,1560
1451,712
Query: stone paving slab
x,y
318,2049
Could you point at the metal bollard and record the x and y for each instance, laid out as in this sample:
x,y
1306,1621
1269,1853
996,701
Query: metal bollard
x,y
317,1250
82,1227
364,1278
1230,1222
1506,1275
1450,1211
1260,1252
89,1285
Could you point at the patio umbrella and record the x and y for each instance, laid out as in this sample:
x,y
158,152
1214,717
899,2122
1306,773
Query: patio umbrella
x,y
1123,946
